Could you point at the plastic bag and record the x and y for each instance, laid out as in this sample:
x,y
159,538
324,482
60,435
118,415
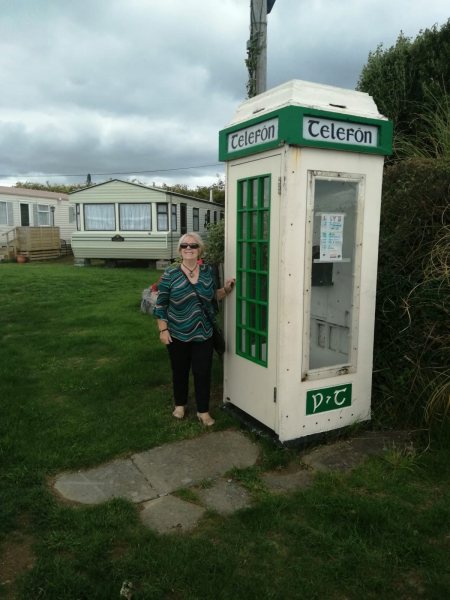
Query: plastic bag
x,y
149,298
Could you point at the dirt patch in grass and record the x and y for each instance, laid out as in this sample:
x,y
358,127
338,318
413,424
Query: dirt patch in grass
x,y
16,558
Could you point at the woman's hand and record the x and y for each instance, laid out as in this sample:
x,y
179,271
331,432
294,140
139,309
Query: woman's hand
x,y
164,334
226,290
229,286
164,337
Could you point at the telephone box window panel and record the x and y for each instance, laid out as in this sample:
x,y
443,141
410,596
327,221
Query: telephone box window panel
x,y
332,287
253,227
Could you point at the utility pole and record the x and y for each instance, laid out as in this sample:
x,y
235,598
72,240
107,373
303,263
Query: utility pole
x,y
257,47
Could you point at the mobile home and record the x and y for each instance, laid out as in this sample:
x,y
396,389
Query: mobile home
x,y
23,210
122,220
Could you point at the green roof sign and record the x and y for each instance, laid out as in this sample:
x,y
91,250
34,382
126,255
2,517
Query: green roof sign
x,y
300,126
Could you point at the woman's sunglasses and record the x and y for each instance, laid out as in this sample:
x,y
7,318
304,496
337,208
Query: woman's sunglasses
x,y
192,246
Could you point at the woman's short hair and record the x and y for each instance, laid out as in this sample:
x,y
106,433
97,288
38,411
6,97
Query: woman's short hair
x,y
198,240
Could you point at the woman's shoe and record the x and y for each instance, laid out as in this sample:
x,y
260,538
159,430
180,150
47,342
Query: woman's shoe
x,y
179,412
205,419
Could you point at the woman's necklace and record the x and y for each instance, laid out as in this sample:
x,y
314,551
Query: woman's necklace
x,y
191,271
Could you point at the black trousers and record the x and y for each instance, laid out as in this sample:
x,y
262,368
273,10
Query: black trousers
x,y
183,357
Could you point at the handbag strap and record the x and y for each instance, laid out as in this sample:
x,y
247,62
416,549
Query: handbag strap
x,y
206,311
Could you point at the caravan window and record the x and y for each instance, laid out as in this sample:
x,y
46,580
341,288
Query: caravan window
x,y
162,217
4,213
195,219
77,215
43,215
174,217
135,217
99,217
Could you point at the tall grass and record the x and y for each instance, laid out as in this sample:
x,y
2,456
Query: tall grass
x,y
412,341
432,125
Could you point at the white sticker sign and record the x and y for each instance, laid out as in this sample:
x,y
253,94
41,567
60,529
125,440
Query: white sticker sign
x,y
331,236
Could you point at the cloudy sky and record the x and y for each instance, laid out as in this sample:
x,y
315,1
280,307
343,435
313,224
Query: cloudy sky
x,y
140,88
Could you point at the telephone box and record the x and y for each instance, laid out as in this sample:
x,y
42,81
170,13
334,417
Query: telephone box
x,y
304,166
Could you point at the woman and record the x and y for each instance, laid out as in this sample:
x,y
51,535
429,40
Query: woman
x,y
184,326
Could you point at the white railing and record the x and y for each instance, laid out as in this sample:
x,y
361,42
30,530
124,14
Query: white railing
x,y
10,243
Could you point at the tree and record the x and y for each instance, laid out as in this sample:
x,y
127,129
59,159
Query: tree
x,y
409,82
201,191
50,187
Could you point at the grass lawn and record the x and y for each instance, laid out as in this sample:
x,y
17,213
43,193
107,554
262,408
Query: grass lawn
x,y
83,379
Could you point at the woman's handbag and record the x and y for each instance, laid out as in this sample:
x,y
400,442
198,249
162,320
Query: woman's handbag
x,y
217,336
218,340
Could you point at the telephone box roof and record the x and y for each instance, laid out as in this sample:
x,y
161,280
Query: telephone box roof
x,y
309,95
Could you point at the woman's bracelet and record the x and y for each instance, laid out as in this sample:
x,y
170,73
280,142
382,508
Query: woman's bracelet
x,y
163,330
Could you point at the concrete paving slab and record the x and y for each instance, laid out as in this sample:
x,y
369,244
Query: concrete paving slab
x,y
377,442
114,479
282,483
348,454
224,496
187,463
170,515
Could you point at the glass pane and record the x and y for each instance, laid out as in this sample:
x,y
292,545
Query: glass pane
x,y
243,252
263,288
134,217
263,318
162,222
252,315
332,282
244,194
243,313
243,287
3,214
266,192
263,257
258,346
174,218
253,224
255,193
252,348
264,225
241,340
253,254
251,292
99,217
242,225
263,342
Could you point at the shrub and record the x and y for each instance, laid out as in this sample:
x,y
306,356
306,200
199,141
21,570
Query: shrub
x,y
412,338
215,246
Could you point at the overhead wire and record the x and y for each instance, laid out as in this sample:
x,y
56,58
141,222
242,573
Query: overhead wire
x,y
49,175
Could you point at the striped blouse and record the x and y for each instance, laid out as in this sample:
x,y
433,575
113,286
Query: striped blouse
x,y
179,305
